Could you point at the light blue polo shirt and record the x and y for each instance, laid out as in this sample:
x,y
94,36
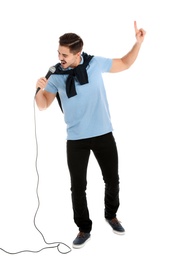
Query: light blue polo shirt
x,y
86,114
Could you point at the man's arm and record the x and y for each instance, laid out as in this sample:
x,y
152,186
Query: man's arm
x,y
126,61
43,98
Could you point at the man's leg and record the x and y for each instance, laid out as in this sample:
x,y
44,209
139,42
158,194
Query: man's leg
x,y
105,151
77,158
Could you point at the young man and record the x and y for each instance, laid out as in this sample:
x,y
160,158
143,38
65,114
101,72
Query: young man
x,y
79,84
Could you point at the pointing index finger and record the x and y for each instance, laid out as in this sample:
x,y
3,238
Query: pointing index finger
x,y
135,26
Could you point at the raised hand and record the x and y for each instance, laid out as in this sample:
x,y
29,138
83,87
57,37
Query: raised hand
x,y
140,33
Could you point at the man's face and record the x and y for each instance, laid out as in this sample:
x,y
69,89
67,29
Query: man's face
x,y
67,58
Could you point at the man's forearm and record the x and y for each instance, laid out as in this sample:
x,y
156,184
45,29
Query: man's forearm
x,y
131,56
41,100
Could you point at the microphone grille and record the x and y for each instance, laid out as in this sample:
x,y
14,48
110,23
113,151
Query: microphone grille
x,y
52,69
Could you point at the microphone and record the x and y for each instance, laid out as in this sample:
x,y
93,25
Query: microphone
x,y
49,73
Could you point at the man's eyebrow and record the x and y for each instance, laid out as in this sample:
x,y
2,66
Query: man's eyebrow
x,y
62,53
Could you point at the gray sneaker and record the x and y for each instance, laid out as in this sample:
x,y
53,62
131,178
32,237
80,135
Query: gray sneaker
x,y
81,240
117,227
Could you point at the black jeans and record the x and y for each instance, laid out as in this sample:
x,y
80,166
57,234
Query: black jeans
x,y
105,151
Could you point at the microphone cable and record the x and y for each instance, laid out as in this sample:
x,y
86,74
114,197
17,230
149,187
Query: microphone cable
x,y
49,245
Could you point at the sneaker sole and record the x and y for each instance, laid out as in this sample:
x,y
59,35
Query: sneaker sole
x,y
118,233
82,245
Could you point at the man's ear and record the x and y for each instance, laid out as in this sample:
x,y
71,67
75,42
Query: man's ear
x,y
79,54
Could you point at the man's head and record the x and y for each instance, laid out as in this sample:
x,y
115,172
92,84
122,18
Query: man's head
x,y
69,51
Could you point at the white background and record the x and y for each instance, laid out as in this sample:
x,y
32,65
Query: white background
x,y
141,107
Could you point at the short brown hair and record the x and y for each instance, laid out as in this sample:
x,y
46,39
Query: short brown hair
x,y
72,41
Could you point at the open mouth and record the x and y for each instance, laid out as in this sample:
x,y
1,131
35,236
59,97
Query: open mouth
x,y
63,63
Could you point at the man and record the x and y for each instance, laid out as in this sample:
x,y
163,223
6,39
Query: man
x,y
79,84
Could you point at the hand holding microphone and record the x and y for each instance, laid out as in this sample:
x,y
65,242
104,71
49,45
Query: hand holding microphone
x,y
41,83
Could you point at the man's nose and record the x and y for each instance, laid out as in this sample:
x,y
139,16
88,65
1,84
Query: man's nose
x,y
60,57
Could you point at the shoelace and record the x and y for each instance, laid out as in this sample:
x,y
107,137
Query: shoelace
x,y
115,220
81,234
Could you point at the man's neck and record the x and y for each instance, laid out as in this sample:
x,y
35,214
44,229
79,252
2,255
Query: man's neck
x,y
78,61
